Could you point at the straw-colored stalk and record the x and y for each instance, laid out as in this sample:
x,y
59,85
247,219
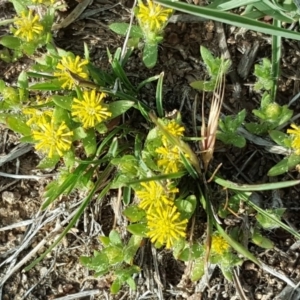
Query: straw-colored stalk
x,y
209,131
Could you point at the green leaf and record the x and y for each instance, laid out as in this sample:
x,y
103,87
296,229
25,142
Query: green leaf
x,y
23,80
131,248
261,241
122,28
134,213
117,108
116,286
266,220
98,263
127,164
187,206
255,187
79,133
18,125
194,252
158,95
48,163
278,137
67,184
46,86
115,239
208,59
284,165
89,142
11,42
130,281
150,54
234,139
229,18
198,269
20,5
63,101
114,254
104,240
138,229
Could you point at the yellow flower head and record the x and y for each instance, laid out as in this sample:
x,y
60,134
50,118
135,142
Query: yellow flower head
x,y
76,66
295,138
154,194
169,159
165,225
37,116
90,111
28,26
218,245
152,17
173,128
52,139
46,2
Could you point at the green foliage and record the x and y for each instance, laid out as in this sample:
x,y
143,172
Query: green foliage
x,y
271,115
115,258
264,76
216,68
229,126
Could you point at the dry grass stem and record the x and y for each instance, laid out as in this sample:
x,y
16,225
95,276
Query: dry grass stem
x,y
209,131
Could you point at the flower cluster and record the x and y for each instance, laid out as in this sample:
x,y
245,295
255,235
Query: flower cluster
x,y
152,17
164,222
218,245
52,136
169,160
28,26
157,198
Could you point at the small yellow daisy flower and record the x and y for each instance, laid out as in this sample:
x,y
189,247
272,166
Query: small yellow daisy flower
x,y
37,116
52,139
90,111
152,17
28,26
169,159
173,128
165,225
46,2
295,132
76,66
219,245
154,194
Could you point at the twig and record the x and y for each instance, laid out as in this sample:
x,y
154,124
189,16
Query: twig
x,y
79,295
36,177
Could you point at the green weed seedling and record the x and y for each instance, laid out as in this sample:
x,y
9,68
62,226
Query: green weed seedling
x,y
152,19
115,259
215,67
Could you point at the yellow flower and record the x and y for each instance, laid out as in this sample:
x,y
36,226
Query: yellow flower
x,y
219,246
76,66
152,17
36,116
46,2
165,225
295,138
52,139
169,159
173,128
28,26
154,194
90,111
